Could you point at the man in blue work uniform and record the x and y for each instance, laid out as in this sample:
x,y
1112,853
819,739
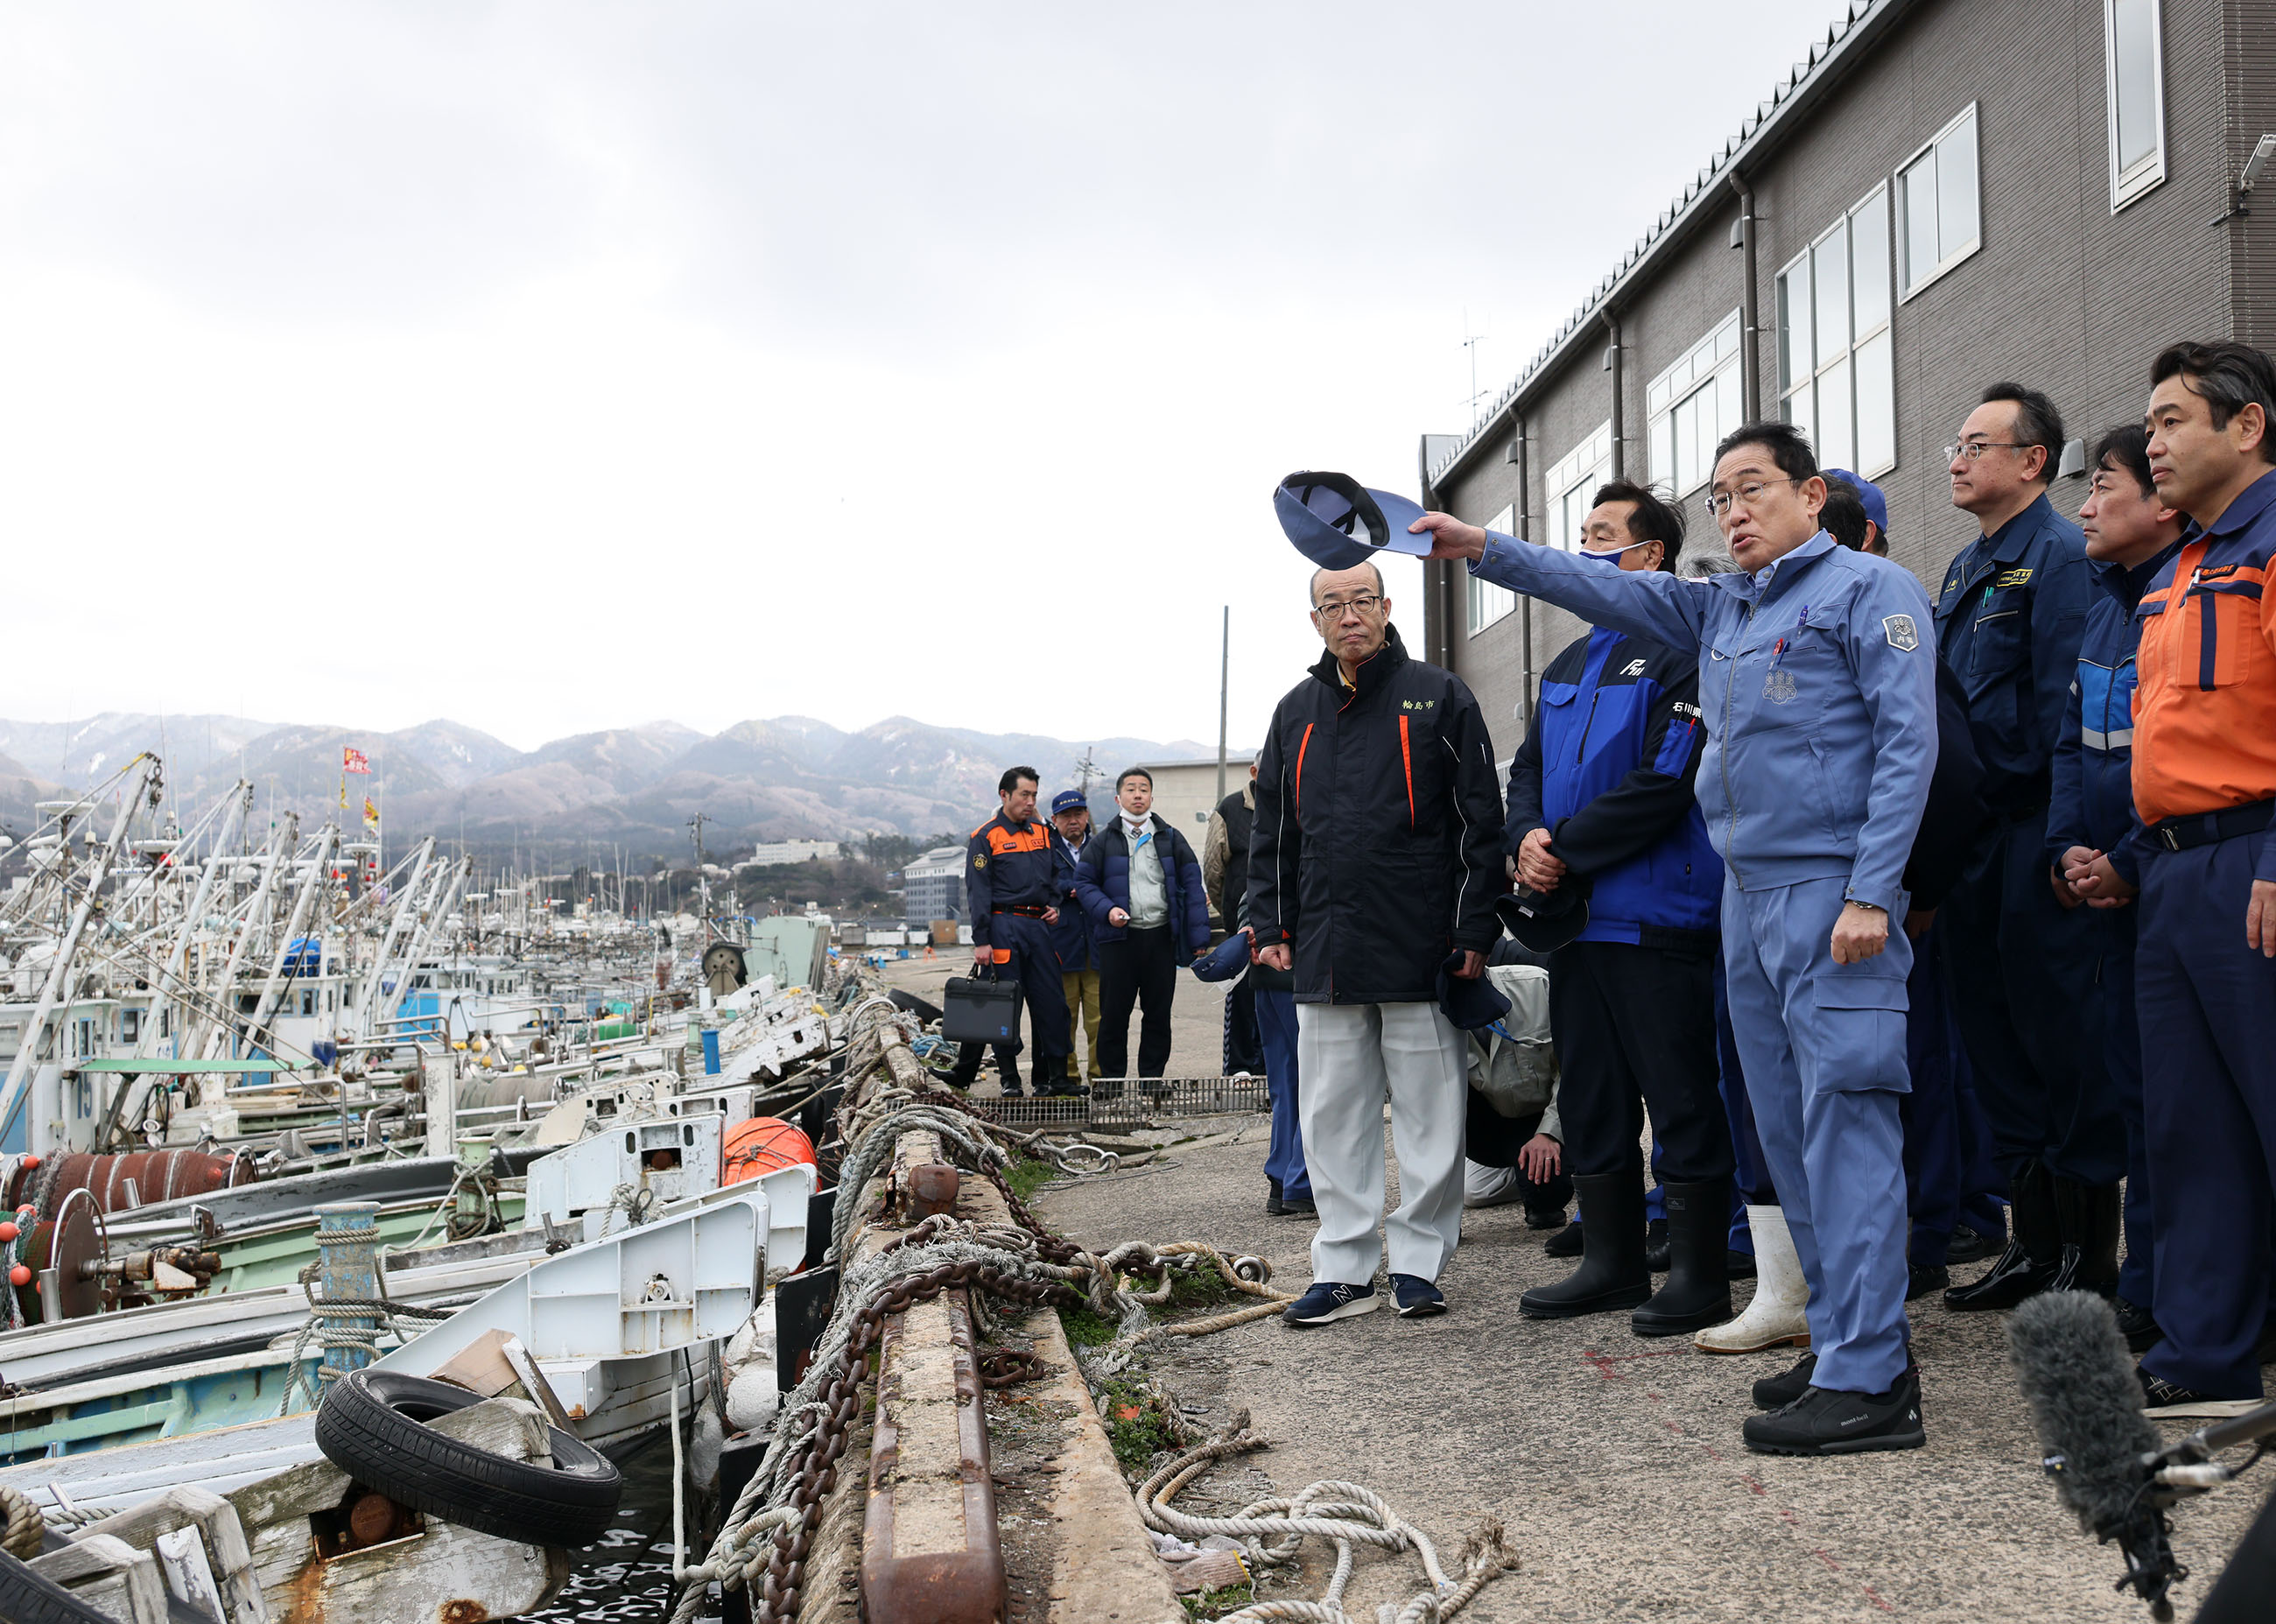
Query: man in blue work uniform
x,y
1015,876
1818,688
2204,787
2130,534
1071,936
2021,953
1601,803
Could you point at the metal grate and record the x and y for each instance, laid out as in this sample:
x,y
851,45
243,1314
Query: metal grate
x,y
1133,1105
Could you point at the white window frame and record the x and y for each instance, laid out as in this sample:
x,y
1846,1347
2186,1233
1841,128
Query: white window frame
x,y
1882,198
1704,367
1490,603
1578,472
1901,242
2150,172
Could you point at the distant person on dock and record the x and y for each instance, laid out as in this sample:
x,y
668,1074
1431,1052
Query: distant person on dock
x,y
1015,873
1372,873
1071,936
1142,885
1224,876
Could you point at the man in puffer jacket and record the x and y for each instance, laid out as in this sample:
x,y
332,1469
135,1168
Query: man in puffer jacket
x,y
1141,884
1373,868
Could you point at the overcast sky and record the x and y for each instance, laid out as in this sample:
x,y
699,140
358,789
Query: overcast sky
x,y
553,367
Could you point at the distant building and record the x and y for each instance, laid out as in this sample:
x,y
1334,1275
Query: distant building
x,y
1185,792
933,886
775,853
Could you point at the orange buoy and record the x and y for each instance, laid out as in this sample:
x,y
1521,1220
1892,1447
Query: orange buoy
x,y
763,1144
20,1275
8,1231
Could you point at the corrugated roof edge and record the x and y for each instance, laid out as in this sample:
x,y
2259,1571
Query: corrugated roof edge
x,y
1789,101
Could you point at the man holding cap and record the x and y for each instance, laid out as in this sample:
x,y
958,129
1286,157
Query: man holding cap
x,y
1818,678
1373,869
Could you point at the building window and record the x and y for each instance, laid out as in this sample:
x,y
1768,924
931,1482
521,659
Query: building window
x,y
1488,602
2134,53
1837,376
1936,205
1573,485
1691,406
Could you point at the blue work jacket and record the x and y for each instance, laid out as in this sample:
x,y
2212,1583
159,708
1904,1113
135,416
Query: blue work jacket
x,y
1607,768
2093,803
2008,622
1817,686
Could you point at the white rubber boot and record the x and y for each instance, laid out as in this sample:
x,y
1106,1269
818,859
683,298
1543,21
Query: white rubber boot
x,y
1776,1315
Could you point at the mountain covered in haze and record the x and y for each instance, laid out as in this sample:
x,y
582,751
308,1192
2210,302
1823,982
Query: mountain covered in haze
x,y
632,787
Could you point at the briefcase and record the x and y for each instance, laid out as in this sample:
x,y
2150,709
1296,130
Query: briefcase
x,y
980,1011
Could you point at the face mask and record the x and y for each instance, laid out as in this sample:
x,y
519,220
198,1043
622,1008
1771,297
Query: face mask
x,y
1613,555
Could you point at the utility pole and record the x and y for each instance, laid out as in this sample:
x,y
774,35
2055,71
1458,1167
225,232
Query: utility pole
x,y
702,880
1224,688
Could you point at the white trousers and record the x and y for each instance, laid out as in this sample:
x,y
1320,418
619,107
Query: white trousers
x,y
1352,1057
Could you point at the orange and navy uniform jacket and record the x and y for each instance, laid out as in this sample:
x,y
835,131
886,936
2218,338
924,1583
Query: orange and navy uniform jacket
x,y
1377,846
2205,696
1014,867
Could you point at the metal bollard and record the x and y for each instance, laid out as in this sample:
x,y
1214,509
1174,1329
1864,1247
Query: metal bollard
x,y
347,1247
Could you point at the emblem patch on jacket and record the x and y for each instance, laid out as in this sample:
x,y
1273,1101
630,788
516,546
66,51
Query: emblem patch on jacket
x,y
2012,578
1902,633
979,859
1778,687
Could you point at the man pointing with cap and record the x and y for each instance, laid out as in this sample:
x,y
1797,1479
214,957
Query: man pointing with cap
x,y
1818,684
1374,863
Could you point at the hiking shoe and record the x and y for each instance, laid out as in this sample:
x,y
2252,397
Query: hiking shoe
x,y
1823,1422
1656,1253
1971,1246
1738,1266
1418,1298
1777,1391
2137,1325
1927,1278
1325,1302
1545,1217
1564,1243
1278,1205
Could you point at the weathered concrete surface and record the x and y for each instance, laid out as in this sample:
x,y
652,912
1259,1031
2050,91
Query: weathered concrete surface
x,y
1616,1462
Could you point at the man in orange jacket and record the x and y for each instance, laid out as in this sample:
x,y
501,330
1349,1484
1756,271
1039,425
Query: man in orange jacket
x,y
2204,787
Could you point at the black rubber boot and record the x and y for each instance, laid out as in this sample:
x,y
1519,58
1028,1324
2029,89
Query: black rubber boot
x,y
1697,1291
2090,1217
2028,1266
1611,1275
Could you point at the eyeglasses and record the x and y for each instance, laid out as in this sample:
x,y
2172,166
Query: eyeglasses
x,y
1975,449
1366,603
1719,502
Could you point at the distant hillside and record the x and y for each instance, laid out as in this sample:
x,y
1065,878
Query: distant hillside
x,y
633,787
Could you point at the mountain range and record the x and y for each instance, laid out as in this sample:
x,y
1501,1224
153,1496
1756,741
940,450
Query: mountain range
x,y
789,777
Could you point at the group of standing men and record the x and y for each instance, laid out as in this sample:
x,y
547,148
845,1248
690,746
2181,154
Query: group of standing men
x,y
1996,801
1092,924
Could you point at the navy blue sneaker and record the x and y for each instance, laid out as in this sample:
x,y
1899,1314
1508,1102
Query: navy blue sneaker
x,y
1328,1301
1418,1299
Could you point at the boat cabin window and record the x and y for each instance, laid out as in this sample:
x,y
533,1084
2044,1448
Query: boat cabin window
x,y
129,1025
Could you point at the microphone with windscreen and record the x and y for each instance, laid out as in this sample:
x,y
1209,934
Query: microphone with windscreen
x,y
2072,1364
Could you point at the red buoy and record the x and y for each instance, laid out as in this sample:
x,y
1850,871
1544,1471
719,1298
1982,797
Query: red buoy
x,y
763,1144
8,1231
20,1275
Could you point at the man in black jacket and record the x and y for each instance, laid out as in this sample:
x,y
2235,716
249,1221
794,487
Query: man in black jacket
x,y
1224,876
1373,868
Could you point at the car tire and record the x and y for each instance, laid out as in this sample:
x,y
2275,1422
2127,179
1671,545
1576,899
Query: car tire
x,y
30,1597
372,1426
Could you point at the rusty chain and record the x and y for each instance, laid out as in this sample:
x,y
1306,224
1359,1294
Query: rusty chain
x,y
817,1473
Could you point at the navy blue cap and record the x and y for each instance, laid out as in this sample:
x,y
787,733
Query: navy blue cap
x,y
1876,506
1069,801
1339,524
1471,1002
1226,961
1545,921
